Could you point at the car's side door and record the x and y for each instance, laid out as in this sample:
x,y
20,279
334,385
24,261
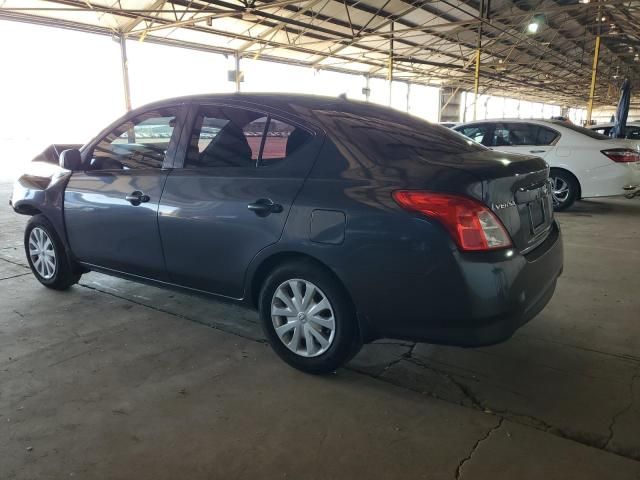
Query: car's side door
x,y
242,169
111,206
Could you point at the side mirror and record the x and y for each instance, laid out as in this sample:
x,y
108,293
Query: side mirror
x,y
70,159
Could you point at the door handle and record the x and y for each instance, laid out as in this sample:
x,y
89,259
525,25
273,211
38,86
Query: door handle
x,y
537,151
136,198
264,206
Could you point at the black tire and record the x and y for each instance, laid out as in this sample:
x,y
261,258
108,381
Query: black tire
x,y
63,275
346,339
570,189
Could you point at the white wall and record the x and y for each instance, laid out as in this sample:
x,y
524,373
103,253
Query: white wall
x,y
48,84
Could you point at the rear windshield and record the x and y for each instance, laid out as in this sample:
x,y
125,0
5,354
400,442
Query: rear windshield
x,y
392,135
584,131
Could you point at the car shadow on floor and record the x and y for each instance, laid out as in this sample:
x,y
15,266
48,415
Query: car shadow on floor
x,y
626,207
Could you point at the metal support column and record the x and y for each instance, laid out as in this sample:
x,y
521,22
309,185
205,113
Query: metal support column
x,y
125,72
237,57
408,94
476,77
594,74
390,72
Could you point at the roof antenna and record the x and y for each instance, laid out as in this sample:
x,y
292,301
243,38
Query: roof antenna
x,y
343,96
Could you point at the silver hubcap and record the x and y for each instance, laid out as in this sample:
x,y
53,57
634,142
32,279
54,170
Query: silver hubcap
x,y
303,318
42,253
560,191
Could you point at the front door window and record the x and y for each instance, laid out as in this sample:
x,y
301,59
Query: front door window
x,y
140,143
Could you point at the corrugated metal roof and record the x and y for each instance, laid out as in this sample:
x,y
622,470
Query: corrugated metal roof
x,y
428,42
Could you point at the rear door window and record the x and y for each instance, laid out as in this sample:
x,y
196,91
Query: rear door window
x,y
546,136
477,133
281,141
516,134
236,137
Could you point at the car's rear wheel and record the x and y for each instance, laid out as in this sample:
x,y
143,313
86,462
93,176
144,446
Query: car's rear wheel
x,y
46,255
308,318
565,189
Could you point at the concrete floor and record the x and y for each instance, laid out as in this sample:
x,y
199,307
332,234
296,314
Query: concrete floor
x,y
117,380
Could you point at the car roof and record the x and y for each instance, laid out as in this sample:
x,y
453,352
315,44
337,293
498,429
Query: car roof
x,y
538,121
291,103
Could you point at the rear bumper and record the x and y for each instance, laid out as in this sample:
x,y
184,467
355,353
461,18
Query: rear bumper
x,y
611,180
482,301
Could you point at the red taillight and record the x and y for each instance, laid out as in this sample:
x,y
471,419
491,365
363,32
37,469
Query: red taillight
x,y
471,224
622,155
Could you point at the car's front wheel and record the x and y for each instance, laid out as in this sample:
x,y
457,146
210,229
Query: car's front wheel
x,y
565,189
46,255
308,318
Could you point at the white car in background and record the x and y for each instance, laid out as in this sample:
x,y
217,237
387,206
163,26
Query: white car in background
x,y
583,163
632,130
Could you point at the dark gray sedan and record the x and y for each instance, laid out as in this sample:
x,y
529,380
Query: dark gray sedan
x,y
341,222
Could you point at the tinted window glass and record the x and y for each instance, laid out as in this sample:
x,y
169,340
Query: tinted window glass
x,y
633,132
225,137
254,131
519,134
477,133
546,136
582,130
233,137
370,134
281,141
139,143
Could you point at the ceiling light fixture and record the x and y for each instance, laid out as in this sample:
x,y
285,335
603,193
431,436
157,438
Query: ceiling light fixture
x,y
536,22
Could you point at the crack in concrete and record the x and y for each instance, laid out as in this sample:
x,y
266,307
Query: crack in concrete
x,y
14,263
622,356
523,419
405,356
463,388
15,276
624,410
477,404
475,447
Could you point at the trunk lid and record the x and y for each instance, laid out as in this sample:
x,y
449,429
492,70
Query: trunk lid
x,y
516,188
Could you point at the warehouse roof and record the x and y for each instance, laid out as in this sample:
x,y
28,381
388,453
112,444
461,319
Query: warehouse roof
x,y
427,41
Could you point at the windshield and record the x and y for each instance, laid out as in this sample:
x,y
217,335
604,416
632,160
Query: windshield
x,y
582,130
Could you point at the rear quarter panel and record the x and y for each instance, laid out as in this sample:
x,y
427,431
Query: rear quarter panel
x,y
383,246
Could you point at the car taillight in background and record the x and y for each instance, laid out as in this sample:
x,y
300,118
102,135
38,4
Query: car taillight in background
x,y
622,155
471,224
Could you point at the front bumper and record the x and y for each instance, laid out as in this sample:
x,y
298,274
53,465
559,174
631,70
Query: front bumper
x,y
478,299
